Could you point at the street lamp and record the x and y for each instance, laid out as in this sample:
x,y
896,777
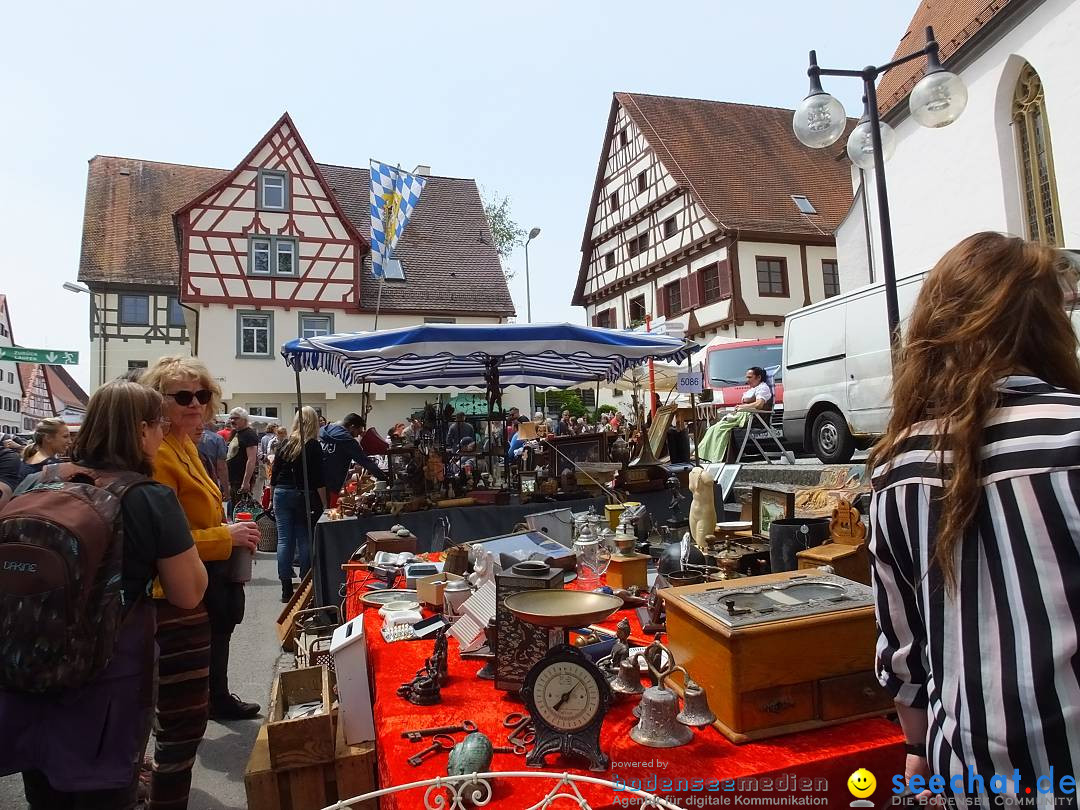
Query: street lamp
x,y
819,121
71,286
535,232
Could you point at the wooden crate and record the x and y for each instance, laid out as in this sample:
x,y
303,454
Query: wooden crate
x,y
305,740
351,773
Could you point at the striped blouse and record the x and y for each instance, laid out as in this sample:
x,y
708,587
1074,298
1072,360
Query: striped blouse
x,y
996,664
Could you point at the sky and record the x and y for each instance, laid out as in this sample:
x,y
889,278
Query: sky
x,y
513,94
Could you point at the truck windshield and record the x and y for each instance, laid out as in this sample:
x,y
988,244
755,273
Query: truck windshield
x,y
728,366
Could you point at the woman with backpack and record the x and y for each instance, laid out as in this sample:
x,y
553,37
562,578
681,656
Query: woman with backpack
x,y
194,670
76,684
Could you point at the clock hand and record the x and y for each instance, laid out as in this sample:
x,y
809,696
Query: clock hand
x,y
565,697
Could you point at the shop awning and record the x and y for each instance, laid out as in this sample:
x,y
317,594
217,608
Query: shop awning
x,y
461,355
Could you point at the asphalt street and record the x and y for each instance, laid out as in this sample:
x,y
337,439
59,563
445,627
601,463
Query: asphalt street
x,y
218,780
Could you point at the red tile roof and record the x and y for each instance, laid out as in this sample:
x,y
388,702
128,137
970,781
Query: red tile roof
x,y
743,163
955,23
128,235
65,391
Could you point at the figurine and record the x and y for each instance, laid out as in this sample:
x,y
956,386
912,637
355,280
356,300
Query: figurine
x,y
438,661
655,607
702,507
422,690
620,650
483,567
654,657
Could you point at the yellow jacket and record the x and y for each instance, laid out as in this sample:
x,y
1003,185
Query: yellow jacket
x,y
178,466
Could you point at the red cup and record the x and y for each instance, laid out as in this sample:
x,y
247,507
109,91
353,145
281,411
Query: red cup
x,y
243,517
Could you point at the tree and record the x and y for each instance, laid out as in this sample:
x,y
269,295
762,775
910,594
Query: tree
x,y
505,233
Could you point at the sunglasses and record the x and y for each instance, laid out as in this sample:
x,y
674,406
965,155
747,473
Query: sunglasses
x,y
185,398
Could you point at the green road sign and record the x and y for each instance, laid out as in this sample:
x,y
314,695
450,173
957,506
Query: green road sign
x,y
53,357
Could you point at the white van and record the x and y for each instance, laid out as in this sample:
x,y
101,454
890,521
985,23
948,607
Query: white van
x,y
838,370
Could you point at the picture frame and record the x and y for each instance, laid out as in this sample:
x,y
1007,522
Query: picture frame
x,y
565,451
769,503
527,483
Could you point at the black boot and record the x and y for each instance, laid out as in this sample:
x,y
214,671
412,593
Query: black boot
x,y
223,704
286,590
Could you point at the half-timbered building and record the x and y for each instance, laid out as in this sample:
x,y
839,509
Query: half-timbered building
x,y
711,213
11,392
277,248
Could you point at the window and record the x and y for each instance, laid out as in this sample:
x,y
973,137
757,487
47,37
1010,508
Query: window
x,y
286,257
176,314
3,330
804,205
642,182
440,320
254,334
637,309
670,227
1036,159
713,287
273,190
609,261
830,274
613,200
588,397
134,364
265,411
623,139
134,310
272,256
639,244
7,403
772,276
11,378
672,299
312,326
605,319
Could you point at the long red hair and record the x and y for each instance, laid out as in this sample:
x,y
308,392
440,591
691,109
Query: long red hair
x,y
992,306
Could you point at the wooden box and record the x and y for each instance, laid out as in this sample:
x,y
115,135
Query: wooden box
x,y
286,620
388,541
629,569
352,772
852,562
305,740
781,676
519,645
770,502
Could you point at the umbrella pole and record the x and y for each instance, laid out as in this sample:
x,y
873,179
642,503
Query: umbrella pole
x,y
304,464
693,410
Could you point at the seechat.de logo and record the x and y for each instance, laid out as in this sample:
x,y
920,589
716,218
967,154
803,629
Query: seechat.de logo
x,y
862,784
20,567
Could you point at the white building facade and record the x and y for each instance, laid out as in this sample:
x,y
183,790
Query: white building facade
x,y
1007,164
11,392
705,212
276,248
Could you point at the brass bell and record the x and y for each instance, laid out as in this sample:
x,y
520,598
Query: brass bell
x,y
696,711
658,727
628,680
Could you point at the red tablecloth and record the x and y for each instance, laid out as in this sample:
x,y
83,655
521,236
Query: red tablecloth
x,y
830,754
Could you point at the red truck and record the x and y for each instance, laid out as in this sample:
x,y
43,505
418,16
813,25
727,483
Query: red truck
x,y
726,362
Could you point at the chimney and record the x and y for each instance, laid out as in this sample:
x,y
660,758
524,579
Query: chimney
x,y
422,170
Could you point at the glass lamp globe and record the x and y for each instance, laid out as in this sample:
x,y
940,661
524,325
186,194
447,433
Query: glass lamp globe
x,y
819,120
860,144
938,99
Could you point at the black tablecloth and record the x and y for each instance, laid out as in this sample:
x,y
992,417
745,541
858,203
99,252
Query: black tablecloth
x,y
336,540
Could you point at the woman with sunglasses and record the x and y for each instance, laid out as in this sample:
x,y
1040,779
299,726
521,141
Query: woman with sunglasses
x,y
195,641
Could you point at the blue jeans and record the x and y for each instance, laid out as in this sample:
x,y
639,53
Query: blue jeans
x,y
293,530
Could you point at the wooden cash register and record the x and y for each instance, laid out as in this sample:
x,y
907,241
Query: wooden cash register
x,y
778,653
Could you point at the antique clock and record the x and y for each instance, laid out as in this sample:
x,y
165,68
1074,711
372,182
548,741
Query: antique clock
x,y
568,697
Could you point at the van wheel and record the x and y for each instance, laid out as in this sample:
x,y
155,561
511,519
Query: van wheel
x,y
832,441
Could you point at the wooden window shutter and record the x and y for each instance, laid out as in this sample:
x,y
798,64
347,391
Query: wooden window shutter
x,y
693,301
612,319
684,292
661,302
724,274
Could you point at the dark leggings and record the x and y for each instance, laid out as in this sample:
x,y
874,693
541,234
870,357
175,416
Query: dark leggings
x,y
183,638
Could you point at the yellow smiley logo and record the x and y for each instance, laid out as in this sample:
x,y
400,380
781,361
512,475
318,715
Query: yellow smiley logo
x,y
861,783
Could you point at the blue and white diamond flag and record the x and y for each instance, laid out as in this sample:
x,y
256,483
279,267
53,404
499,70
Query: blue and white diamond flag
x,y
394,195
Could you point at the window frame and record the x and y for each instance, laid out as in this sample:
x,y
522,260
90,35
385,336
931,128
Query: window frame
x,y
825,282
642,181
302,316
121,298
258,411
609,260
809,210
273,256
1028,119
630,309
613,201
674,227
635,246
254,313
134,364
624,138
172,301
719,293
784,279
260,202
667,289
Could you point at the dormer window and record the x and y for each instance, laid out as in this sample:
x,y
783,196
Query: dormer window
x,y
273,190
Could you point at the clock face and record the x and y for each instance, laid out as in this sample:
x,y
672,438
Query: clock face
x,y
566,695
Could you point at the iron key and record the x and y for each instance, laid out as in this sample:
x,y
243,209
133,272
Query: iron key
x,y
418,734
509,749
440,742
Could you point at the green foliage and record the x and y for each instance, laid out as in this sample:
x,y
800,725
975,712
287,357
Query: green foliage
x,y
602,410
505,232
559,401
